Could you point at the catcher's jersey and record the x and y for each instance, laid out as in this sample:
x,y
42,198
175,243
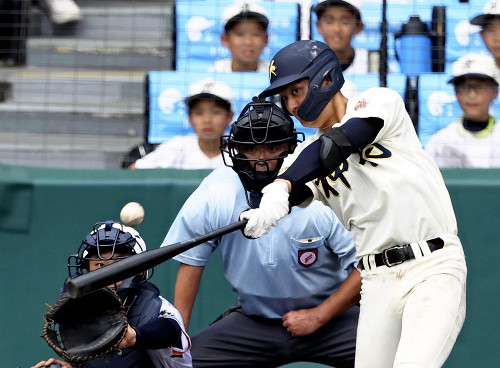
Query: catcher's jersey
x,y
391,192
455,146
297,265
172,357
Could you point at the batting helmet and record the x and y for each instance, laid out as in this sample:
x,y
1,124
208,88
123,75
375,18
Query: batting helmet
x,y
313,60
260,122
105,236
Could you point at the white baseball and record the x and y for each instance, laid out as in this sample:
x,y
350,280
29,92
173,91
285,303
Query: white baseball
x,y
132,214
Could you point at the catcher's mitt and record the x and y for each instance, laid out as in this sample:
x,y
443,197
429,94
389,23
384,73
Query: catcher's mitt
x,y
87,327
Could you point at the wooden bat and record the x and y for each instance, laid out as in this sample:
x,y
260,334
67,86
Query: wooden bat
x,y
132,266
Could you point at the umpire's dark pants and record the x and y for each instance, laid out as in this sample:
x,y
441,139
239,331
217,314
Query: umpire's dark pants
x,y
237,340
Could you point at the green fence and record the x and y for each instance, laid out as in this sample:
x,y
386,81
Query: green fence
x,y
45,213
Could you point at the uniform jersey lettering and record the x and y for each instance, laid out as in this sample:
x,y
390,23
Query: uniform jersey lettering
x,y
338,174
374,151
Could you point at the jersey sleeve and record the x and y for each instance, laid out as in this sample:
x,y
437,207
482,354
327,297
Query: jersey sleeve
x,y
173,356
167,310
385,104
202,213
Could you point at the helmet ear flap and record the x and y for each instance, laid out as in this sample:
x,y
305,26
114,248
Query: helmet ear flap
x,y
283,106
318,95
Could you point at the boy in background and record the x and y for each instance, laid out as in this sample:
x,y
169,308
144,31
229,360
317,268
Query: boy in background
x,y
210,113
474,139
338,22
490,28
245,35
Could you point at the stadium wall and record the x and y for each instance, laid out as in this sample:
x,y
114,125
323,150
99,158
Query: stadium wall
x,y
45,213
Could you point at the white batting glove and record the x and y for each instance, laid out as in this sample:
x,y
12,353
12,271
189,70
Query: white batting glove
x,y
273,207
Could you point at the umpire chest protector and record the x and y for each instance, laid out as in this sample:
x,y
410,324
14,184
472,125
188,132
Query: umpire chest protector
x,y
143,303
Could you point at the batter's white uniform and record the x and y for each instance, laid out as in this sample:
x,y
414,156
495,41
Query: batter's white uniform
x,y
455,146
392,193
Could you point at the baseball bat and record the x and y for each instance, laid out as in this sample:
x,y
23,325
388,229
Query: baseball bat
x,y
132,266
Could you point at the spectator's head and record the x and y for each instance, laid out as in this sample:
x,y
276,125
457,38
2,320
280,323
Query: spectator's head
x,y
245,34
489,22
210,108
258,142
475,78
338,22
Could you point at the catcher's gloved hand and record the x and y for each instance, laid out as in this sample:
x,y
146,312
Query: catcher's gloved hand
x,y
273,207
87,327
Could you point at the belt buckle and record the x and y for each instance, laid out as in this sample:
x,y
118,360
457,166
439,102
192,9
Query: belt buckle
x,y
385,258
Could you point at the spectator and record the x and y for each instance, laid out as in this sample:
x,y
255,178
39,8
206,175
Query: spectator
x,y
474,139
338,22
13,30
245,35
14,24
61,11
210,113
490,28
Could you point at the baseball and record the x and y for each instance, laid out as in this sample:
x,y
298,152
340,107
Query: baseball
x,y
132,214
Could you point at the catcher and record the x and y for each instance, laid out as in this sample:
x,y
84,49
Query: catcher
x,y
141,328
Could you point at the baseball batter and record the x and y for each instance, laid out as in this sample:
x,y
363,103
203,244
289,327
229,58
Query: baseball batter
x,y
367,164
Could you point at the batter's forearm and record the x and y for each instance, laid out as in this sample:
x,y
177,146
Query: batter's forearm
x,y
305,168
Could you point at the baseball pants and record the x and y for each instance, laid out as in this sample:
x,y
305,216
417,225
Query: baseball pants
x,y
237,340
412,313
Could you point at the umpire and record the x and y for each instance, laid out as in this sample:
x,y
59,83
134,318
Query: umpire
x,y
297,287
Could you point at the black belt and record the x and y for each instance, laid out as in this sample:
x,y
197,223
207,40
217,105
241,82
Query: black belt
x,y
400,253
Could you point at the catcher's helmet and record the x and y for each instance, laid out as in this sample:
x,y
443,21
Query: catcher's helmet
x,y
105,236
260,122
313,60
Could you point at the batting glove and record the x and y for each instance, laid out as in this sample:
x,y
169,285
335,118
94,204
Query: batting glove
x,y
273,207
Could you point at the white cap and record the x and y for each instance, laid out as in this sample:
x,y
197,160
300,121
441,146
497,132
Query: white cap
x,y
475,65
352,4
209,88
490,10
244,10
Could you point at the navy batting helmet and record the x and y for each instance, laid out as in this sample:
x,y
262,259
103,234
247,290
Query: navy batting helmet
x,y
313,60
105,236
260,122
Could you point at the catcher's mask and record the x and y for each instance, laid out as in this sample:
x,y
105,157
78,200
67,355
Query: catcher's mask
x,y
306,59
260,122
105,237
